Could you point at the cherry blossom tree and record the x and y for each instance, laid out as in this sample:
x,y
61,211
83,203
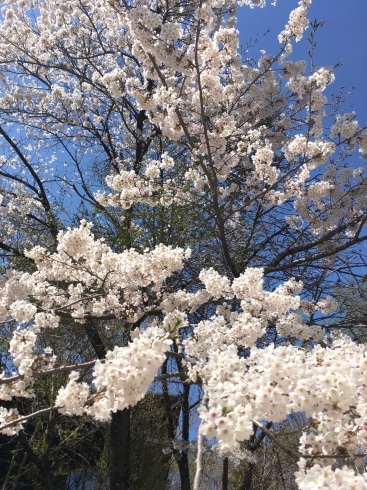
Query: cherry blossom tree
x,y
188,212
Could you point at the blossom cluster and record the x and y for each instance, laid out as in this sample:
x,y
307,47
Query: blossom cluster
x,y
100,280
72,398
127,373
120,380
273,382
326,477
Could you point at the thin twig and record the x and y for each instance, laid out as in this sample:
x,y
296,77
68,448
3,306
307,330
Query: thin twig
x,y
31,416
40,374
291,452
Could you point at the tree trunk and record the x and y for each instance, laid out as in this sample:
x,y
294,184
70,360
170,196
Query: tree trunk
x,y
120,450
183,466
183,462
247,479
225,474
181,457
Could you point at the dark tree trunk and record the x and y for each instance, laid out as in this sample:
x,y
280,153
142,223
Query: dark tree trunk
x,y
181,457
183,467
95,339
225,474
247,479
183,462
120,450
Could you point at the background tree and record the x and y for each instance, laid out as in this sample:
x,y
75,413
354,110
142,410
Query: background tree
x,y
352,309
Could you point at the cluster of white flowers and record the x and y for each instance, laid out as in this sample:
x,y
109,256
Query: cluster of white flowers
x,y
22,311
143,188
215,284
273,382
346,127
311,477
236,456
120,380
317,152
101,281
43,320
71,399
312,86
22,350
253,3
297,23
327,305
7,416
125,376
293,69
16,389
184,301
131,187
174,320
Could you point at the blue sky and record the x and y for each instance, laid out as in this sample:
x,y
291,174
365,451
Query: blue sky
x,y
343,37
